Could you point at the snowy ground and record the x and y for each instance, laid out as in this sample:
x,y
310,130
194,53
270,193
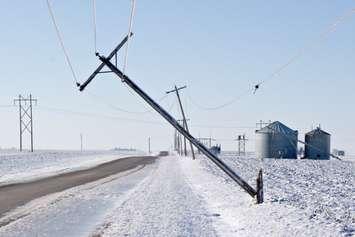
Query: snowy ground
x,y
302,197
23,166
74,212
177,196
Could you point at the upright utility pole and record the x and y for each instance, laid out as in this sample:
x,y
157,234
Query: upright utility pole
x,y
25,116
81,142
176,90
183,124
149,145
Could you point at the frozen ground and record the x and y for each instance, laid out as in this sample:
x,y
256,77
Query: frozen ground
x,y
302,197
21,166
163,205
181,197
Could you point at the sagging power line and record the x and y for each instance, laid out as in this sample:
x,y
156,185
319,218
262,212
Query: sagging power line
x,y
301,51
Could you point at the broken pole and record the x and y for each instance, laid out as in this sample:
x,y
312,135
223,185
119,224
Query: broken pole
x,y
260,188
250,190
101,66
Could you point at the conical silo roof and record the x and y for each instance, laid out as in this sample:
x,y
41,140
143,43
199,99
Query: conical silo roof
x,y
317,131
277,127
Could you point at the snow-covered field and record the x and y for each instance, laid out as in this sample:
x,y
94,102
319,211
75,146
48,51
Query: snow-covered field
x,y
177,196
23,166
302,197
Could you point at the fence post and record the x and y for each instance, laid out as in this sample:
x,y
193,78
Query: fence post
x,y
259,188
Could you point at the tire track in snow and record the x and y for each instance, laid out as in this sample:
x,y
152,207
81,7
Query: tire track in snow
x,y
163,206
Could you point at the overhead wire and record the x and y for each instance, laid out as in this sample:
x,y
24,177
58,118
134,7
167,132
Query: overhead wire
x,y
60,38
114,107
61,41
330,29
95,115
94,24
220,106
112,117
130,24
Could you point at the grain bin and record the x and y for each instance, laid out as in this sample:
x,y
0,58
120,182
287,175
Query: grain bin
x,y
276,141
317,145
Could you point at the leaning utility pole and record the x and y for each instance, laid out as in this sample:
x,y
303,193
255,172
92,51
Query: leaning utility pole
x,y
105,61
26,116
176,90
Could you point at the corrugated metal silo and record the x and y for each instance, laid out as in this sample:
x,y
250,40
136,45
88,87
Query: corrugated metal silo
x,y
317,145
276,141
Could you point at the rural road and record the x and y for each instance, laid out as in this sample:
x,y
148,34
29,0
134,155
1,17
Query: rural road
x,y
14,195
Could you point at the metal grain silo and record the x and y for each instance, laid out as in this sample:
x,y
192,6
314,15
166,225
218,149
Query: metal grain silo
x,y
317,145
276,141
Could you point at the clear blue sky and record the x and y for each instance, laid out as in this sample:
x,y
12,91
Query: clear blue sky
x,y
218,48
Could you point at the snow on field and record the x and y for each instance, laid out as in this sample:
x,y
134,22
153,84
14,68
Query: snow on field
x,y
23,166
177,196
302,197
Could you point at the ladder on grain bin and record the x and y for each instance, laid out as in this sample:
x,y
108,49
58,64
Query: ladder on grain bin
x,y
105,61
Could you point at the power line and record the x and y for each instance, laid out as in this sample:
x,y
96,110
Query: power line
x,y
60,38
239,97
330,29
94,24
114,107
129,33
170,107
95,115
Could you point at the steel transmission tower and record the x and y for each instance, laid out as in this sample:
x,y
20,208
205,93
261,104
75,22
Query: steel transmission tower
x,y
26,116
241,144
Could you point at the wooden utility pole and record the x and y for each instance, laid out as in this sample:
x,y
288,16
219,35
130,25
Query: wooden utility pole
x,y
105,61
176,90
149,145
81,142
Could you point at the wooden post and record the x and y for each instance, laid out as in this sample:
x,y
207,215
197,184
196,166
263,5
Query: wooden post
x,y
259,188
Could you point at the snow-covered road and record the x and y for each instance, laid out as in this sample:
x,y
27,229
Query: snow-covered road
x,y
18,166
163,205
76,211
